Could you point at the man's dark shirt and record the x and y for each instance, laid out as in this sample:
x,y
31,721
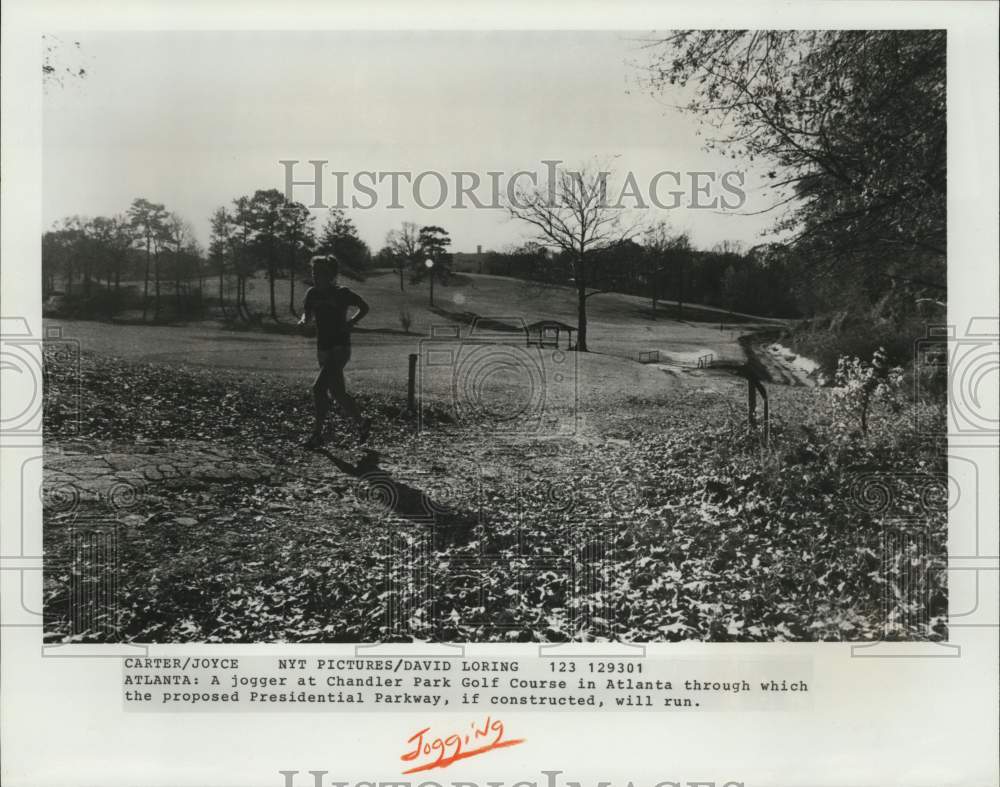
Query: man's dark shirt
x,y
329,306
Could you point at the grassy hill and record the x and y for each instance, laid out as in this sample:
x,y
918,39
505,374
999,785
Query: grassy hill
x,y
620,328
618,324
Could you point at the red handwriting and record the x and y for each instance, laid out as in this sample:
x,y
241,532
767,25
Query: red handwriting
x,y
447,749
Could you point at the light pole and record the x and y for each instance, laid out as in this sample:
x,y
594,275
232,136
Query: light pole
x,y
429,264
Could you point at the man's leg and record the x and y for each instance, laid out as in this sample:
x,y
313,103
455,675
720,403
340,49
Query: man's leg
x,y
338,390
321,400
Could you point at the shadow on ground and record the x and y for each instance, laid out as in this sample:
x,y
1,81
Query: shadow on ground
x,y
451,525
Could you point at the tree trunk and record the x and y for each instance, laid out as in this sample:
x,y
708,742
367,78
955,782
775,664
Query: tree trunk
x,y
291,283
177,283
680,287
581,292
653,282
156,285
145,285
270,282
222,287
241,299
86,274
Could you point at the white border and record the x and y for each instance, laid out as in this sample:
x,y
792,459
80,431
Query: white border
x,y
876,721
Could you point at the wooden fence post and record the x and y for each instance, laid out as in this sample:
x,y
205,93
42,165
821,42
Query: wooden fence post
x,y
411,386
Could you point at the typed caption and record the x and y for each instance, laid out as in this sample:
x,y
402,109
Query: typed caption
x,y
399,684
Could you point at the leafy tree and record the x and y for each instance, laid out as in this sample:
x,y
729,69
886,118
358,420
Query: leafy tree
x,y
60,246
120,240
220,248
733,286
432,244
299,238
148,220
852,123
340,238
241,240
184,254
73,231
266,221
530,260
384,258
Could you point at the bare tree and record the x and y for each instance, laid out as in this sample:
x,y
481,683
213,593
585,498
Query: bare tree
x,y
404,244
573,214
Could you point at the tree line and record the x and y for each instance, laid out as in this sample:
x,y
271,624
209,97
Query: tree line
x,y
153,252
148,258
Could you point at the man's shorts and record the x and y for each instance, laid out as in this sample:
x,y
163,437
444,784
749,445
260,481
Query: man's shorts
x,y
333,356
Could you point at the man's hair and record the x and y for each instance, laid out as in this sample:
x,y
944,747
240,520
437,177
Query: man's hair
x,y
326,260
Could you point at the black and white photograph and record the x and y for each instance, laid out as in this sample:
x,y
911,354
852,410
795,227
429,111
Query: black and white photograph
x,y
496,336
499,394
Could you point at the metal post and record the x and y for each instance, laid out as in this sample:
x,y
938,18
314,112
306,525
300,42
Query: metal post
x,y
411,387
751,403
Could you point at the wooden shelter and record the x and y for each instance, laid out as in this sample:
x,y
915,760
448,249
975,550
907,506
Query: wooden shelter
x,y
549,333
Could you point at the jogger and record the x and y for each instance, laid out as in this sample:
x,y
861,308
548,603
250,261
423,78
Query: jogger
x,y
329,304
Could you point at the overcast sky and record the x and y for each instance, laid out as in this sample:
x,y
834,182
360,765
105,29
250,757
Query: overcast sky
x,y
195,119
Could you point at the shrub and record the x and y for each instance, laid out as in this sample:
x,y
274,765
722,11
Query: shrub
x,y
861,384
99,304
825,342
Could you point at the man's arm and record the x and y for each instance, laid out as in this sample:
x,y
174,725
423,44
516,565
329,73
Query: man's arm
x,y
307,308
362,309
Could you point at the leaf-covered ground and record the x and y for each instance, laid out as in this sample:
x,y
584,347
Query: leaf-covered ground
x,y
664,520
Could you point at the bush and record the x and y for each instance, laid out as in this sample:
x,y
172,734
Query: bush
x,y
827,341
861,384
99,304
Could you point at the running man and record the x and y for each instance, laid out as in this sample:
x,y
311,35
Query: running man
x,y
329,304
